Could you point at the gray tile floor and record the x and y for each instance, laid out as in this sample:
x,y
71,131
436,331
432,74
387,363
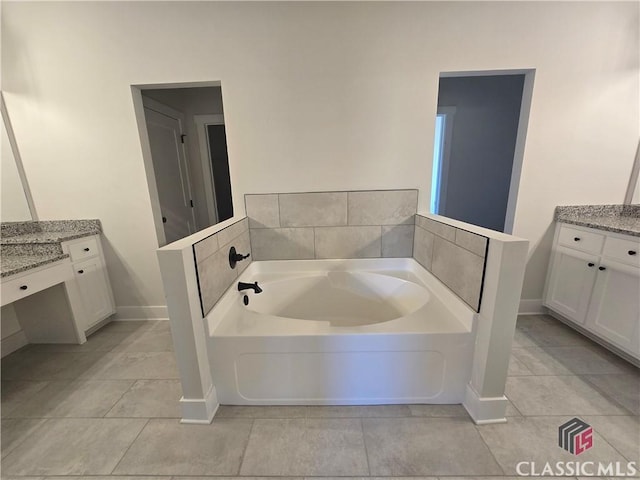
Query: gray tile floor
x,y
109,409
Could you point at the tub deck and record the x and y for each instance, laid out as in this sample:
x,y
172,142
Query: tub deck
x,y
261,359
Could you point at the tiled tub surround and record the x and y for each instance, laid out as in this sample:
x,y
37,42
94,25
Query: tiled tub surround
x,y
212,262
455,256
504,271
324,225
611,218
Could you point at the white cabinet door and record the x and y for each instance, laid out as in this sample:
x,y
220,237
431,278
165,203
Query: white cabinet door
x,y
572,277
94,290
614,312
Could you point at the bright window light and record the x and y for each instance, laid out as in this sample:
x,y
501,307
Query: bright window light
x,y
438,149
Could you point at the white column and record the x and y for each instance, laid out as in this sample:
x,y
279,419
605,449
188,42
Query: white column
x,y
199,401
506,261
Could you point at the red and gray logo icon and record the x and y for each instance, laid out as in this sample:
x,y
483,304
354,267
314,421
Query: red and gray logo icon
x,y
575,436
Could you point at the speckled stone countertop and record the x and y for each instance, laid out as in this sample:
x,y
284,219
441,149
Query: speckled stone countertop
x,y
12,264
611,218
27,245
54,231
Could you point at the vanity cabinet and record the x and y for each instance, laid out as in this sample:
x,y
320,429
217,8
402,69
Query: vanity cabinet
x,y
614,308
573,275
594,282
91,276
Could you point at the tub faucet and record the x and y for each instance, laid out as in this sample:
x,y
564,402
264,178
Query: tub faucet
x,y
246,286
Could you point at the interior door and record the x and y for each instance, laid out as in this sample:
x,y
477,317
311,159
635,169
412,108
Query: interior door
x,y
172,175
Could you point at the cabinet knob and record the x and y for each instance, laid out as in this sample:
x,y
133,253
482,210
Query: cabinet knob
x,y
23,287
576,239
591,264
602,268
86,249
80,271
632,252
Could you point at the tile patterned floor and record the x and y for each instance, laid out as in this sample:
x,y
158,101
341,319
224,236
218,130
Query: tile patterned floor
x,y
109,410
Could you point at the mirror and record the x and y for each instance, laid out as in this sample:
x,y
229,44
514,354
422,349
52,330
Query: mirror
x,y
16,204
188,149
633,189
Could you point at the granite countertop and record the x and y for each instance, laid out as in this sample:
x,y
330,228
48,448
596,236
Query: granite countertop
x,y
27,245
611,218
12,264
47,237
53,231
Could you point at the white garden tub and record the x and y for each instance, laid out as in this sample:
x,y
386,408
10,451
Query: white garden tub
x,y
340,332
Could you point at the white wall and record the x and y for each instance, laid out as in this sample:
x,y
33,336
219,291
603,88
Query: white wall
x,y
318,96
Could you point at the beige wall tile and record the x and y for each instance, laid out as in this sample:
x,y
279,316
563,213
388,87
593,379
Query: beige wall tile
x,y
421,221
472,242
459,269
206,247
384,207
397,241
348,242
263,210
232,231
313,209
214,277
423,247
282,243
440,229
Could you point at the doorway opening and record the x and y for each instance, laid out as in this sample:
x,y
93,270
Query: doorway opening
x,y
480,132
187,168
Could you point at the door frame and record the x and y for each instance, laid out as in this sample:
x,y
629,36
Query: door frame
x,y
201,122
445,151
138,109
521,135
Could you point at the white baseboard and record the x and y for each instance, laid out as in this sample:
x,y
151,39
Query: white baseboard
x,y
199,410
13,342
530,306
158,312
485,410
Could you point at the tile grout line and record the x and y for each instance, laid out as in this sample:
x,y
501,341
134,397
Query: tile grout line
x,y
314,244
364,442
133,382
279,214
130,445
489,448
244,451
14,447
605,395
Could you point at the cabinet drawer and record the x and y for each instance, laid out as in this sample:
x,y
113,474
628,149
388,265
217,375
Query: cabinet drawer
x,y
623,250
84,248
31,283
589,242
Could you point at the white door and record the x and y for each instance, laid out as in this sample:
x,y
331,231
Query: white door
x,y
614,313
571,282
172,175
